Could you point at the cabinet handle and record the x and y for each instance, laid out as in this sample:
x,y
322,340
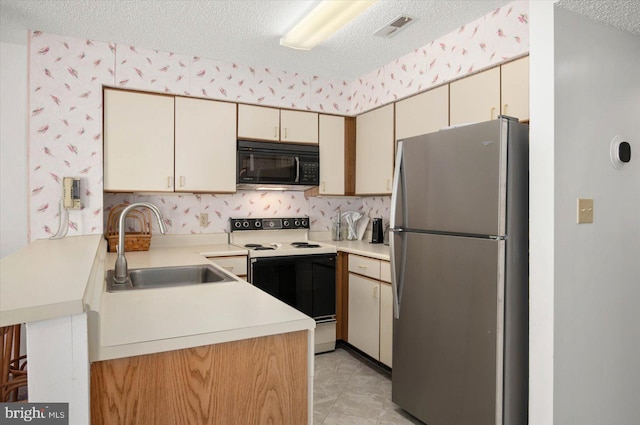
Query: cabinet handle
x,y
375,292
504,109
230,268
169,182
493,110
324,187
286,133
182,179
275,132
362,267
388,184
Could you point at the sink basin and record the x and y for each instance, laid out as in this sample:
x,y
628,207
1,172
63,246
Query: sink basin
x,y
161,277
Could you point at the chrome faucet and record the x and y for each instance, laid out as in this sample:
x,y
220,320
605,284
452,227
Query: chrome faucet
x,y
121,271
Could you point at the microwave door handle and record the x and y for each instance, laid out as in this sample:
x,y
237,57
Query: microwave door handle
x,y
297,169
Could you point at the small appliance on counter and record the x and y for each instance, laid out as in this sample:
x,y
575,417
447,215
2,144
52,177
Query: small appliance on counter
x,y
377,231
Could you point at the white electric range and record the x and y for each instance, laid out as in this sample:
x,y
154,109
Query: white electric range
x,y
286,264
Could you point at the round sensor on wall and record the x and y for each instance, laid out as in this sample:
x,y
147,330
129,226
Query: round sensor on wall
x,y
620,152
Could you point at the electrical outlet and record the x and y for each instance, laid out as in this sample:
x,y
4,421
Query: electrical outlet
x,y
585,211
204,219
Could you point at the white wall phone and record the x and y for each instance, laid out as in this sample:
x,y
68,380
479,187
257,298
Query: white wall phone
x,y
71,188
70,201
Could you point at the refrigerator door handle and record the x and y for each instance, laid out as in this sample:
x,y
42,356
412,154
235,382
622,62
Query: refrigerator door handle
x,y
396,270
397,256
395,193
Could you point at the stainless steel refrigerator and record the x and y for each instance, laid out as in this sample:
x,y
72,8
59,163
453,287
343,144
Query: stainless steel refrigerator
x,y
459,258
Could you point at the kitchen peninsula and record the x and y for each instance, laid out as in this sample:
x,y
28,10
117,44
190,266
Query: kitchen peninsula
x,y
229,340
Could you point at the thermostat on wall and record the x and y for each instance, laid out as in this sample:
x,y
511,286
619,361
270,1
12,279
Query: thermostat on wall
x,y
620,152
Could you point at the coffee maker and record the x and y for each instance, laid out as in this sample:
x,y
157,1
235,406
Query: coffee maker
x,y
377,231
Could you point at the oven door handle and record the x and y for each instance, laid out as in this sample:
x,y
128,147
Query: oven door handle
x,y
297,169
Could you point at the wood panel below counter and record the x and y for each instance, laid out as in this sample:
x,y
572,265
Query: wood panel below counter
x,y
253,381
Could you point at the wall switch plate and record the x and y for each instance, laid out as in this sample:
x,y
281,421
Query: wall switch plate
x,y
585,211
204,219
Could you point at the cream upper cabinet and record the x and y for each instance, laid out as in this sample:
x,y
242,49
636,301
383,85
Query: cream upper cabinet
x,y
331,139
374,151
205,146
424,113
138,141
275,125
515,89
298,126
475,98
258,122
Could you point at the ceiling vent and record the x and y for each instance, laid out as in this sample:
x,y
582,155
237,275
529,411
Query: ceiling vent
x,y
394,27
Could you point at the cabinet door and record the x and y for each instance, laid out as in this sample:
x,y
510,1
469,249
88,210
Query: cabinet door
x,y
476,98
235,264
386,324
258,123
205,146
515,89
423,113
331,139
374,151
298,126
364,314
138,141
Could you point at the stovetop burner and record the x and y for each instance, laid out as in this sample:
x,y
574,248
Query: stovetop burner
x,y
305,245
258,247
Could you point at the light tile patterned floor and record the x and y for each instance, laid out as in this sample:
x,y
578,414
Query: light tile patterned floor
x,y
350,390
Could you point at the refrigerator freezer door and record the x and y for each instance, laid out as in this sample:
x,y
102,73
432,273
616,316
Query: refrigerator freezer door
x,y
454,180
447,341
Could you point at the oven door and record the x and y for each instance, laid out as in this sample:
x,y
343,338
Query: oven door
x,y
305,282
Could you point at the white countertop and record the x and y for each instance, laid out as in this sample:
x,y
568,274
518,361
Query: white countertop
x,y
56,278
374,250
46,279
146,321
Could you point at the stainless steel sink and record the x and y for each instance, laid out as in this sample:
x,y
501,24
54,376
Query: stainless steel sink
x,y
161,277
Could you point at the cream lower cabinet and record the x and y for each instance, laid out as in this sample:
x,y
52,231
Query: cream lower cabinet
x,y
138,141
236,264
205,146
375,151
423,113
475,98
386,315
364,314
331,143
370,308
515,88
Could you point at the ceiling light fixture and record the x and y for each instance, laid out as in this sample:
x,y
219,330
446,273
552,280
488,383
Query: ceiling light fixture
x,y
323,21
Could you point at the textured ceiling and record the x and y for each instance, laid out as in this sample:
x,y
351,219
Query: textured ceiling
x,y
248,32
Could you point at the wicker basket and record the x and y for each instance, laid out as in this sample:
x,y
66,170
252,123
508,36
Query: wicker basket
x,y
139,239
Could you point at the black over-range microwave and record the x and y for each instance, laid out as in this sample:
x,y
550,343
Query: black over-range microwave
x,y
273,166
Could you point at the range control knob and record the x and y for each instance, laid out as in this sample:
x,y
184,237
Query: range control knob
x,y
245,224
286,223
296,223
257,224
304,223
237,224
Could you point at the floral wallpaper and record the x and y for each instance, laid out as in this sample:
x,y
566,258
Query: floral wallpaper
x,y
485,42
66,76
